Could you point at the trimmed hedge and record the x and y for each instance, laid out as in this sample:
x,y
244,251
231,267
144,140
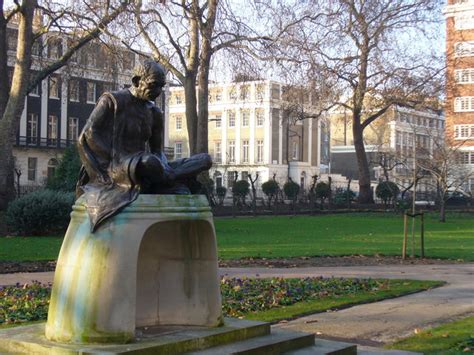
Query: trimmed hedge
x,y
40,213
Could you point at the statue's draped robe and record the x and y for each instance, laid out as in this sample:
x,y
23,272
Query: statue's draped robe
x,y
110,146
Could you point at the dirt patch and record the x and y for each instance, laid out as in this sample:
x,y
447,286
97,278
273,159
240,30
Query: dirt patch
x,y
8,267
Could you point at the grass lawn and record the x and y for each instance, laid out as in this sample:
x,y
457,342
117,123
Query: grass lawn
x,y
261,299
285,236
451,338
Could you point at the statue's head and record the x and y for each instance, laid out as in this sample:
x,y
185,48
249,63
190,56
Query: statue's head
x,y
148,80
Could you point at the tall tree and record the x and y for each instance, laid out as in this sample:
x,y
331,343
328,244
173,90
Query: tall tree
x,y
34,22
184,37
377,51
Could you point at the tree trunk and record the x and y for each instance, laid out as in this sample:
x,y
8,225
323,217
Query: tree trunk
x,y
442,210
365,192
202,143
191,110
11,117
4,84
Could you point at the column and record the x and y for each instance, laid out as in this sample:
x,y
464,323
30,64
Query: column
x,y
310,140
280,138
267,136
238,145
23,119
224,139
64,105
252,137
44,108
318,162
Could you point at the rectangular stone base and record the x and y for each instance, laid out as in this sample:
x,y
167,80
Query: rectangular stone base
x,y
150,340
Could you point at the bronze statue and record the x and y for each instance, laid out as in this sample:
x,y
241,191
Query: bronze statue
x,y
121,149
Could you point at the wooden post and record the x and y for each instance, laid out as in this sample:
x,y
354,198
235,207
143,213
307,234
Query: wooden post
x,y
422,234
405,236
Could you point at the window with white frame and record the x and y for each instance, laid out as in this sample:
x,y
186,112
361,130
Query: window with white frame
x,y
231,151
218,95
32,128
179,123
73,128
464,21
466,158
464,76
178,150
464,104
52,130
465,131
464,49
260,118
74,90
218,120
245,92
178,99
295,151
91,92
245,118
233,93
217,152
260,151
245,151
35,91
32,165
53,88
231,119
260,92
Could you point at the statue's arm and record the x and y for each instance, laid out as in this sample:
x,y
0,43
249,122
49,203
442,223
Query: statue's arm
x,y
95,141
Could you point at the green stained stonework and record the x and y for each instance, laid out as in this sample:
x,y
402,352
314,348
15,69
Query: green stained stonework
x,y
107,283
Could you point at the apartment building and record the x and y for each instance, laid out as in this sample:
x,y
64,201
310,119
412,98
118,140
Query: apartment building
x,y
393,140
56,110
460,80
252,130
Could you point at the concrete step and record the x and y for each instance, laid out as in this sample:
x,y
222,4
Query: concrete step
x,y
278,342
323,346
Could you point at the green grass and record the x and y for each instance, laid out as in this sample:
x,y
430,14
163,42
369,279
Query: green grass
x,y
285,236
343,234
451,338
396,288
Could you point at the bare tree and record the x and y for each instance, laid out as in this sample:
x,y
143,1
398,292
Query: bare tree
x,y
364,46
34,21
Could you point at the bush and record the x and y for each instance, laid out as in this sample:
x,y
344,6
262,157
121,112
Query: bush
x,y
270,188
67,173
343,196
387,191
240,190
220,192
291,190
322,190
39,213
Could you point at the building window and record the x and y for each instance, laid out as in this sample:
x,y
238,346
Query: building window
x,y
54,88
466,158
232,93
178,99
245,118
55,48
244,92
52,165
260,151
218,95
35,91
32,129
32,164
464,76
73,129
295,151
260,118
464,104
231,152
217,152
179,123
260,92
232,177
464,21
52,130
218,120
245,151
91,92
465,131
231,119
74,90
178,150
218,179
464,49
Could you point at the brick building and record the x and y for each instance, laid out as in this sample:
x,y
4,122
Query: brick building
x,y
460,79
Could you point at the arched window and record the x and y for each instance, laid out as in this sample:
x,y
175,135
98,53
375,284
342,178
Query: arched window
x,y
218,178
303,180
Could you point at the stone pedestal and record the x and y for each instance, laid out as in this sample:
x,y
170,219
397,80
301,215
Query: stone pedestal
x,y
155,263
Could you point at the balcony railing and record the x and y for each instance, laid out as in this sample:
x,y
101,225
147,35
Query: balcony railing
x,y
34,142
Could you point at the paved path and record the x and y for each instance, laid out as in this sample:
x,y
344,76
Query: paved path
x,y
373,323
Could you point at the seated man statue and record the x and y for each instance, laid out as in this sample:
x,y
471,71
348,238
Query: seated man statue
x,y
121,149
